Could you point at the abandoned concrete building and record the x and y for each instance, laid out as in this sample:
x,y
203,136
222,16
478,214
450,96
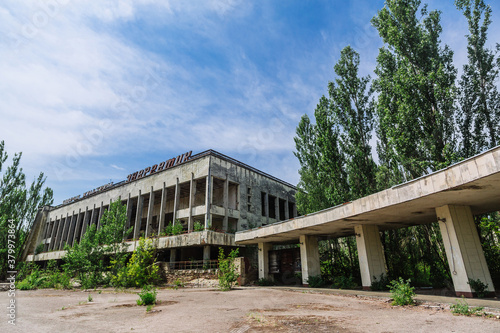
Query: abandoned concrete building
x,y
208,189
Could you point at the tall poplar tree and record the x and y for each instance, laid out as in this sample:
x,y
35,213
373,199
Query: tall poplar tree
x,y
479,117
415,87
323,181
18,205
352,111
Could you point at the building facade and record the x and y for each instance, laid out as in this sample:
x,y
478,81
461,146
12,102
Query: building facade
x,y
209,189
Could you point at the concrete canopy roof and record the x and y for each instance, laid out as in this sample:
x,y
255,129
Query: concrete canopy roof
x,y
474,182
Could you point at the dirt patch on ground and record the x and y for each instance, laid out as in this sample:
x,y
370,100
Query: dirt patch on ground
x,y
238,311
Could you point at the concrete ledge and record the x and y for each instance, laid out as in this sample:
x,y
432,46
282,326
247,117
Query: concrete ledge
x,y
199,238
474,182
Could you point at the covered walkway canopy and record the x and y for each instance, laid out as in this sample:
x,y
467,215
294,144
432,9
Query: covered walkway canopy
x,y
451,196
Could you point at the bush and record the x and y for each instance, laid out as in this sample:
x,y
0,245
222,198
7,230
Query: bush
x,y
479,287
39,248
462,308
343,282
147,296
401,292
227,270
177,228
24,285
265,282
141,269
381,283
198,226
315,281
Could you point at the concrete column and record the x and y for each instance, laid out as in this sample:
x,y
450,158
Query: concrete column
x,y
309,257
53,234
161,220
263,255
176,199
46,235
55,246
266,206
71,229
370,254
138,216
206,254
86,222
277,209
287,210
173,255
208,201
64,232
225,221
192,189
101,211
149,221
75,232
92,216
128,223
463,248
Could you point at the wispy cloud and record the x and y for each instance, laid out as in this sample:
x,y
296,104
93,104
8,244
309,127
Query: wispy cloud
x,y
93,90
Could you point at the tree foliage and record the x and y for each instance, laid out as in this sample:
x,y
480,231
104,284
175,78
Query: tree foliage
x,y
18,203
479,113
86,259
424,120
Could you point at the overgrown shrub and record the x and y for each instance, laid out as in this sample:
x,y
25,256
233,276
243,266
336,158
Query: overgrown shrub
x,y
315,281
33,277
265,282
227,269
141,269
402,293
381,283
462,308
39,248
479,287
147,296
198,226
85,260
177,228
344,282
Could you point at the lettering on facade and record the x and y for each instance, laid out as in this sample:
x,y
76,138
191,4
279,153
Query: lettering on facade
x,y
71,199
98,189
138,174
160,166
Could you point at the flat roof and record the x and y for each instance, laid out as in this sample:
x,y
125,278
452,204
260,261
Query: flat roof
x,y
209,152
474,182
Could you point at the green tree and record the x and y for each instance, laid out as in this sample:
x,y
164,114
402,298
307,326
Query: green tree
x,y
18,204
352,111
141,270
479,99
323,180
227,269
85,259
416,91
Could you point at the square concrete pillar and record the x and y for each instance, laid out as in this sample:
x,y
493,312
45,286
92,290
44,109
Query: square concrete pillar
x,y
161,223
208,201
309,257
206,254
138,216
192,192
463,248
225,224
370,254
263,255
173,255
149,219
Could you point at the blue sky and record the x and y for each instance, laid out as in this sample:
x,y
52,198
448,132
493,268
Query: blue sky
x,y
92,91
